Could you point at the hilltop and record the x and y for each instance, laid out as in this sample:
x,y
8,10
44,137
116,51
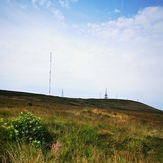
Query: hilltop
x,y
6,97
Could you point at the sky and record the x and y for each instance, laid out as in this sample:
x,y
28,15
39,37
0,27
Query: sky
x,y
95,44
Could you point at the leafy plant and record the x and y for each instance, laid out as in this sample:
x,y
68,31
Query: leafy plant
x,y
26,127
30,103
3,131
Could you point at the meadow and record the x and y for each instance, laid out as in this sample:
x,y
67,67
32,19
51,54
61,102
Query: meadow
x,y
84,131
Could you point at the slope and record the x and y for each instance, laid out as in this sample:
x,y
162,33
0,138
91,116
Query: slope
x,y
8,98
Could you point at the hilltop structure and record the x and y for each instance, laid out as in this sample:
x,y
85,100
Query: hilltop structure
x,y
62,92
106,95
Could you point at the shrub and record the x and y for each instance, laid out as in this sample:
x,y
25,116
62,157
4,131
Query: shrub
x,y
26,127
3,131
30,103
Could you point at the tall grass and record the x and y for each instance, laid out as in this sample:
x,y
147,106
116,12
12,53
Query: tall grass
x,y
21,153
87,135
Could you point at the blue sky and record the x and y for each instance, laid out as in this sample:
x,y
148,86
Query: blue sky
x,y
95,44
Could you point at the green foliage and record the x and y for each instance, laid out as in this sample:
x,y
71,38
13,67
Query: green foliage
x,y
3,131
30,103
26,127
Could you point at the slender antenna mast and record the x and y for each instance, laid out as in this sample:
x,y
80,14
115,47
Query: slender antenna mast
x,y
50,73
62,92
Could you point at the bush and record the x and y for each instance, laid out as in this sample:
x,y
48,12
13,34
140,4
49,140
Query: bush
x,y
3,130
30,103
26,127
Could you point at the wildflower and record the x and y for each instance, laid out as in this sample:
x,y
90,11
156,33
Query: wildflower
x,y
56,148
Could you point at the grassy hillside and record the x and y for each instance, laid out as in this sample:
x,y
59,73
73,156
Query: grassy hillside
x,y
88,130
100,103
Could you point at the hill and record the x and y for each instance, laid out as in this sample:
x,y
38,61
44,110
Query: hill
x,y
81,130
8,97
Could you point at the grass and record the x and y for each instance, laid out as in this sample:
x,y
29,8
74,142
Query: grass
x,y
85,132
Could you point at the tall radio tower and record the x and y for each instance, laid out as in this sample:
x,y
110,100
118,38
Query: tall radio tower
x,y
50,73
62,92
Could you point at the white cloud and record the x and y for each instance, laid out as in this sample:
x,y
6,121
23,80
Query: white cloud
x,y
49,3
147,23
58,15
64,3
23,6
116,11
41,2
34,3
